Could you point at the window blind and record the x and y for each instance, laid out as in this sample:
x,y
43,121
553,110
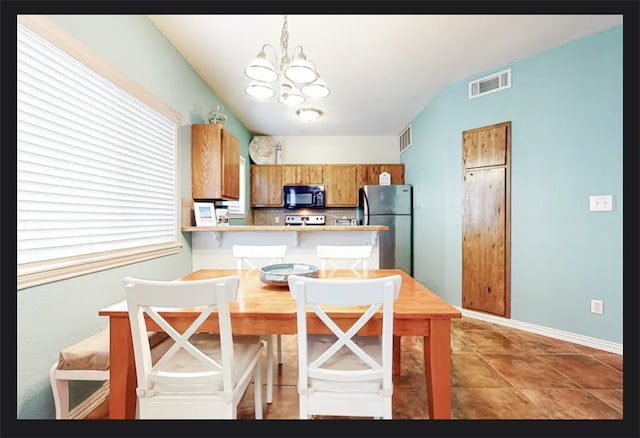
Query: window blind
x,y
96,166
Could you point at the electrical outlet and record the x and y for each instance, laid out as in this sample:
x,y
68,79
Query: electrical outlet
x,y
601,203
277,219
597,306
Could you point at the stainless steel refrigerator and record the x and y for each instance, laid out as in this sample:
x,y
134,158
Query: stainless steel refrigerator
x,y
390,205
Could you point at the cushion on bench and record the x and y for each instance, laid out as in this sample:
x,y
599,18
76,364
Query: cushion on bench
x,y
92,353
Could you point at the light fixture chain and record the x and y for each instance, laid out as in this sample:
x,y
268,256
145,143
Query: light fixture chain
x,y
284,38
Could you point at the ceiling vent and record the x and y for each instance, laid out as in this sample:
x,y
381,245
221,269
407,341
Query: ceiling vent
x,y
405,138
490,84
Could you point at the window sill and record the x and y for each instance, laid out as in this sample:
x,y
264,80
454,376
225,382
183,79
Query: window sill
x,y
35,274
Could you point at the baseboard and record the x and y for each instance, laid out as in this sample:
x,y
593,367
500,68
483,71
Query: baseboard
x,y
89,404
596,343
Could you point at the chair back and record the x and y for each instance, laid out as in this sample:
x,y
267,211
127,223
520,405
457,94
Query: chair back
x,y
331,255
375,294
146,298
257,256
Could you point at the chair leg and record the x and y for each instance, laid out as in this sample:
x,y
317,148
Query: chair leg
x,y
270,369
279,350
60,390
258,392
304,408
387,409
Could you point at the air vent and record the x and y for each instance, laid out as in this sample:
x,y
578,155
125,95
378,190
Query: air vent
x,y
405,138
490,84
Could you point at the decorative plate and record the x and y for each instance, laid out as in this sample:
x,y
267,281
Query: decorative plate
x,y
262,150
278,274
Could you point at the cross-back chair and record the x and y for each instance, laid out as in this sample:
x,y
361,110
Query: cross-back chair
x,y
202,375
345,374
355,256
255,257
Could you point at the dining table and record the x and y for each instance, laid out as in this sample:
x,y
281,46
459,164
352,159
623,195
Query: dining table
x,y
264,308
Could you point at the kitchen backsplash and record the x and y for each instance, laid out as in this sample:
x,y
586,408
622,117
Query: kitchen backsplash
x,y
268,216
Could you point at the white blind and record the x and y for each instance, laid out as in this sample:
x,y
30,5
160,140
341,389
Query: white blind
x,y
96,166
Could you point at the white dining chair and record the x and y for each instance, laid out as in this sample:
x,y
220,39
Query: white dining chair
x,y
344,256
345,374
255,257
202,375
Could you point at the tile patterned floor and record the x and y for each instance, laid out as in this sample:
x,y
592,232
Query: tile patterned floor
x,y
496,373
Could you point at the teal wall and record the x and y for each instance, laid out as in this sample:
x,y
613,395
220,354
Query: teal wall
x,y
565,108
133,45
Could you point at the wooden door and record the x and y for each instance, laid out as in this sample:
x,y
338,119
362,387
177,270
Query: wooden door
x,y
485,224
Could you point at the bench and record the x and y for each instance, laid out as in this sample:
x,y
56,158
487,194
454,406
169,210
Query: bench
x,y
86,360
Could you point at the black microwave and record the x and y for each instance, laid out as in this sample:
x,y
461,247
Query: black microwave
x,y
303,196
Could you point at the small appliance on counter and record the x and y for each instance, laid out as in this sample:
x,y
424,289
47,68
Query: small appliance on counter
x,y
346,221
316,219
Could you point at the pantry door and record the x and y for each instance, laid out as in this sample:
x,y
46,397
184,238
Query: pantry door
x,y
485,220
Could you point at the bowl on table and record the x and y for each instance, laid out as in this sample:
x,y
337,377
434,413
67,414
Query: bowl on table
x,y
277,275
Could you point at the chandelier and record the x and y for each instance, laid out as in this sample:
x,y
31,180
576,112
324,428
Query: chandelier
x,y
297,78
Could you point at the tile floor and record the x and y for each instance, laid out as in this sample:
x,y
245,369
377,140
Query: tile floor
x,y
496,373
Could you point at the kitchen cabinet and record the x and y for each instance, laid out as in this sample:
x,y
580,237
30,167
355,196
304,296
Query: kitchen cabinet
x,y
215,163
266,185
302,174
340,181
485,147
368,174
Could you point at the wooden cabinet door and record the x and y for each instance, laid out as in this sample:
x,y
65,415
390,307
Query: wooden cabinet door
x,y
302,174
266,185
340,185
368,174
485,146
396,171
215,163
230,187
485,221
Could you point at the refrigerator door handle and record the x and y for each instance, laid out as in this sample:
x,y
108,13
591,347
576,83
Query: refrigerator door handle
x,y
365,206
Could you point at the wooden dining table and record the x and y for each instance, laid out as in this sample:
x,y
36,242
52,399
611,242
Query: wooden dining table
x,y
262,309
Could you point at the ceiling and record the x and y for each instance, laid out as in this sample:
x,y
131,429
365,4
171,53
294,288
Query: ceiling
x,y
382,70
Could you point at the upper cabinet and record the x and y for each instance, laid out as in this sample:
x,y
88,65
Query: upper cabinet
x,y
266,185
485,147
295,174
341,185
368,174
341,181
215,163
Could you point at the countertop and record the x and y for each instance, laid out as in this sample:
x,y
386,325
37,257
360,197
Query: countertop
x,y
235,228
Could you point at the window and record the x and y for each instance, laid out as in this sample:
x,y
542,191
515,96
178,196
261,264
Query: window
x,y
97,179
237,208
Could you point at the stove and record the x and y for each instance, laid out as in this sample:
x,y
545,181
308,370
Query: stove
x,y
304,219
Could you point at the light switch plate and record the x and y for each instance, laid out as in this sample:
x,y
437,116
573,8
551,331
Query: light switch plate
x,y
601,203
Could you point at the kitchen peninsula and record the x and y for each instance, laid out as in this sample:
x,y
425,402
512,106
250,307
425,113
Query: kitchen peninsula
x,y
211,246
